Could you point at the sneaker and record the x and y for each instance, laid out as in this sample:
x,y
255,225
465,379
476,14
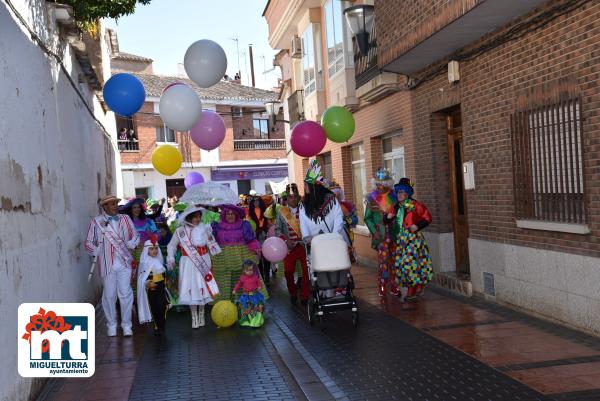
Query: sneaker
x,y
127,332
112,332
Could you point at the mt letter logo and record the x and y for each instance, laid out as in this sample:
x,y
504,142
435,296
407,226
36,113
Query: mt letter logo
x,y
56,340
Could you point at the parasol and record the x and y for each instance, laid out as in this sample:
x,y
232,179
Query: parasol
x,y
209,194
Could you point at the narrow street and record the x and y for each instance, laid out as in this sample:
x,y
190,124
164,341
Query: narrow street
x,y
445,348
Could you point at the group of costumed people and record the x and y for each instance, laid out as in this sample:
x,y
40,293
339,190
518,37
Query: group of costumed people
x,y
194,255
396,220
207,260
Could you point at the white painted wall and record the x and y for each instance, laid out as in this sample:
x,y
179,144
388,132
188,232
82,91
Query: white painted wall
x,y
554,285
54,164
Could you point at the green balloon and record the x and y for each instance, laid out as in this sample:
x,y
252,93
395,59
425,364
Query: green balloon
x,y
338,124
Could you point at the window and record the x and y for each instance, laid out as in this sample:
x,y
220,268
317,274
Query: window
x,y
308,62
261,128
326,166
165,134
393,155
142,192
127,135
335,36
359,179
548,163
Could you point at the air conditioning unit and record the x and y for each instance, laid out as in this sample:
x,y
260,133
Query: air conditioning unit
x,y
297,47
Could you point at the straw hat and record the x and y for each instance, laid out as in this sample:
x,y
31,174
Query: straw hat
x,y
108,198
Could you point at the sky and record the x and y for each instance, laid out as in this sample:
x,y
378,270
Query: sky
x,y
163,30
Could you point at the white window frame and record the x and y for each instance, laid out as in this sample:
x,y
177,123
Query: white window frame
x,y
395,153
364,179
337,64
308,37
165,128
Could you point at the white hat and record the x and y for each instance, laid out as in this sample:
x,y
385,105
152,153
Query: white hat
x,y
189,210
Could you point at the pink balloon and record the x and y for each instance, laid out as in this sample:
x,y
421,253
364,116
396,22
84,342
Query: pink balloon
x,y
274,249
209,131
308,139
192,178
271,232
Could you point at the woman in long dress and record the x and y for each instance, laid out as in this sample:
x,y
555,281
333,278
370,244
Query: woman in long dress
x,y
238,242
197,287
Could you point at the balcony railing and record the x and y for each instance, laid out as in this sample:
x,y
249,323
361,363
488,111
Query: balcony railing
x,y
365,66
127,145
258,144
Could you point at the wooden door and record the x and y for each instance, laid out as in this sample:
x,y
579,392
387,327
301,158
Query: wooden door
x,y
457,190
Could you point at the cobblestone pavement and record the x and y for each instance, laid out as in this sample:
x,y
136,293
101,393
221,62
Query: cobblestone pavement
x,y
445,348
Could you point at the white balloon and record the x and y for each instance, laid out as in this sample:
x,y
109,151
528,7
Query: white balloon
x,y
180,107
205,62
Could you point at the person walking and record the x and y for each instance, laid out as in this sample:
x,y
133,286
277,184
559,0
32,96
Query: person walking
x,y
413,261
110,239
287,227
320,211
380,203
197,286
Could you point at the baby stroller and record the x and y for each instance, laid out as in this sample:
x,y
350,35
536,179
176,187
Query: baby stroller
x,y
330,278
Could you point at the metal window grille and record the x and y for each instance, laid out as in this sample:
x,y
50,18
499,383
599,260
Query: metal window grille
x,y
548,163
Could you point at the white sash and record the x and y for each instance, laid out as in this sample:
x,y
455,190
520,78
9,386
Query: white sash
x,y
198,261
114,239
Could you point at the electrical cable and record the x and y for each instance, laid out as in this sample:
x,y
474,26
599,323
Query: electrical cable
x,y
36,39
516,32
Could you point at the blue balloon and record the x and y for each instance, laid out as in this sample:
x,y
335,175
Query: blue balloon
x,y
124,94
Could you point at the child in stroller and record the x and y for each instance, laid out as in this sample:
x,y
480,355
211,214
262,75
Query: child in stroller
x,y
331,281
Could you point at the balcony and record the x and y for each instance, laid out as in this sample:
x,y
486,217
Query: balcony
x,y
439,36
259,144
365,66
129,145
371,83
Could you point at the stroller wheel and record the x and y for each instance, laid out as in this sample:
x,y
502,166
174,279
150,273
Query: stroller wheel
x,y
355,319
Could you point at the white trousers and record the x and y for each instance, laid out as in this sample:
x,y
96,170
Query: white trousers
x,y
117,283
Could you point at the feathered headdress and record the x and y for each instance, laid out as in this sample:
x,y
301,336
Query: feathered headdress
x,y
313,174
383,178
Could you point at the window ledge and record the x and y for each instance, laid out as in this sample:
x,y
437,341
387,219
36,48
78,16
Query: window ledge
x,y
361,230
176,144
552,226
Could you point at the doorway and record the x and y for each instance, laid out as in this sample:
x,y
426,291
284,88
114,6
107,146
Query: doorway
x,y
244,187
457,191
175,188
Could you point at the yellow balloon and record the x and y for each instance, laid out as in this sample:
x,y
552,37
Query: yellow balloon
x,y
167,159
224,313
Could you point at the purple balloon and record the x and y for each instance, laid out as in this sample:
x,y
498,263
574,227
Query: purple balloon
x,y
308,139
209,131
192,178
274,249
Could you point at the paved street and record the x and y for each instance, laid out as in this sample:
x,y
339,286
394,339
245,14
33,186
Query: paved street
x,y
443,349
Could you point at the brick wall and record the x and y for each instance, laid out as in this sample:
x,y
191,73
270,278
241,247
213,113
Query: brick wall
x,y
490,86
